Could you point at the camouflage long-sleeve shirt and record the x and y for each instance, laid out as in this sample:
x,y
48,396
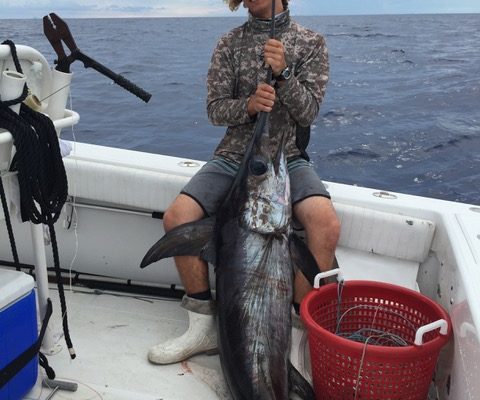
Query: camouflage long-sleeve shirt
x,y
237,67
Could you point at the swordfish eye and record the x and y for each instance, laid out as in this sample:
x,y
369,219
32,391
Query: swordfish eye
x,y
258,165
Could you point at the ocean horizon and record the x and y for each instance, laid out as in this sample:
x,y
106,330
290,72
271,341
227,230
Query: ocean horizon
x,y
242,17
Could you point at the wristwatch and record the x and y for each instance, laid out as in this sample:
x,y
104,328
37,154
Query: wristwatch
x,y
285,75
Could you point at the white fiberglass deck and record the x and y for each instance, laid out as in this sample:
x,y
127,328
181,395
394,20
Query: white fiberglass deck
x,y
111,333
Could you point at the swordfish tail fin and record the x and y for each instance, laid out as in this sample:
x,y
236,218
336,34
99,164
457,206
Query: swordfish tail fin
x,y
299,385
190,239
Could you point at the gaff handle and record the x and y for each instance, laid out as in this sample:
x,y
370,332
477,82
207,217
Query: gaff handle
x,y
132,88
118,79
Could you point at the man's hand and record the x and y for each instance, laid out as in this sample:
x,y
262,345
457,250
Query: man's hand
x,y
274,56
262,100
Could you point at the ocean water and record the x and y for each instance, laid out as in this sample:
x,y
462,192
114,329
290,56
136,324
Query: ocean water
x,y
402,110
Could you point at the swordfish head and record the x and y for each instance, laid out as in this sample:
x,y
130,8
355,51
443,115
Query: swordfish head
x,y
266,208
255,276
260,194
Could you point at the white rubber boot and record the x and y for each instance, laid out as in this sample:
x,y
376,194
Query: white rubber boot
x,y
299,350
200,337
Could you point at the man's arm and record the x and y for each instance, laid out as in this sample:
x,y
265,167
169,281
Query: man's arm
x,y
222,108
303,93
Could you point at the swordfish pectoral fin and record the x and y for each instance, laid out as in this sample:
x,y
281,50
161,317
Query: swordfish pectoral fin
x,y
303,258
190,239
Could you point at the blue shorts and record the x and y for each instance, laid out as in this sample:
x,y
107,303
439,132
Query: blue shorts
x,y
210,185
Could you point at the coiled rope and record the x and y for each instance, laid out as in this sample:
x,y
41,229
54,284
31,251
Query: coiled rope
x,y
41,174
369,335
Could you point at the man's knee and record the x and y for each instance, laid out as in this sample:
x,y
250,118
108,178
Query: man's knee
x,y
320,220
331,226
184,209
170,219
327,226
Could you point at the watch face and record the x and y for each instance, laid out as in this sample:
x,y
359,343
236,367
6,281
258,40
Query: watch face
x,y
286,73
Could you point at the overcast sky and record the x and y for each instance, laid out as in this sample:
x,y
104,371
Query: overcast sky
x,y
189,8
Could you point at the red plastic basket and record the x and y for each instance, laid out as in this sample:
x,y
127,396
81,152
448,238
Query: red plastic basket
x,y
345,369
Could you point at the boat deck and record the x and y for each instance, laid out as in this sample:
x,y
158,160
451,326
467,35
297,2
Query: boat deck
x,y
111,333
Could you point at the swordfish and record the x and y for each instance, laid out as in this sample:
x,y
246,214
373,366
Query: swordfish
x,y
252,245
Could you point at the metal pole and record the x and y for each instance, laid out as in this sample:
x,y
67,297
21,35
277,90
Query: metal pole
x,y
41,276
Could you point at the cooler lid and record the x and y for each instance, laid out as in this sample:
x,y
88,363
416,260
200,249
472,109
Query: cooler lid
x,y
13,286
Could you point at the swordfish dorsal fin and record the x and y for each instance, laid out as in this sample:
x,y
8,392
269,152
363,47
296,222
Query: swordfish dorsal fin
x,y
190,239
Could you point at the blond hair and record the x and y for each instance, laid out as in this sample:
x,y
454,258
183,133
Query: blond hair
x,y
234,4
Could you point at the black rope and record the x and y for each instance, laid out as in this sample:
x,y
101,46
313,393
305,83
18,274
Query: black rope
x,y
43,361
8,222
45,186
7,118
6,212
41,175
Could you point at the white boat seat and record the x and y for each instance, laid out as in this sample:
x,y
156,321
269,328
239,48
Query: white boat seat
x,y
381,246
128,179
373,244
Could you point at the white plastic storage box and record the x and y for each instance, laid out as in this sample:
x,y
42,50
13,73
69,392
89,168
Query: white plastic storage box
x,y
18,330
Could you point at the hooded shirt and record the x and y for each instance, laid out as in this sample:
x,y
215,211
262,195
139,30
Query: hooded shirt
x,y
237,67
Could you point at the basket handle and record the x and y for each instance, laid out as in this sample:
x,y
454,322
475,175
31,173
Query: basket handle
x,y
327,274
441,323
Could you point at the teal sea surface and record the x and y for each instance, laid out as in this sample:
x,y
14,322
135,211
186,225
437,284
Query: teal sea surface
x,y
402,110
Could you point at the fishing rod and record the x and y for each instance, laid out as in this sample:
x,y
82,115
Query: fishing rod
x,y
263,114
272,36
259,164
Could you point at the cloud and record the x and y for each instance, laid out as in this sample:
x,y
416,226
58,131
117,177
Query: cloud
x,y
190,11
39,8
22,3
113,8
200,8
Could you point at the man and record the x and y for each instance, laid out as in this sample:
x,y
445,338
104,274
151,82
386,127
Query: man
x,y
237,92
